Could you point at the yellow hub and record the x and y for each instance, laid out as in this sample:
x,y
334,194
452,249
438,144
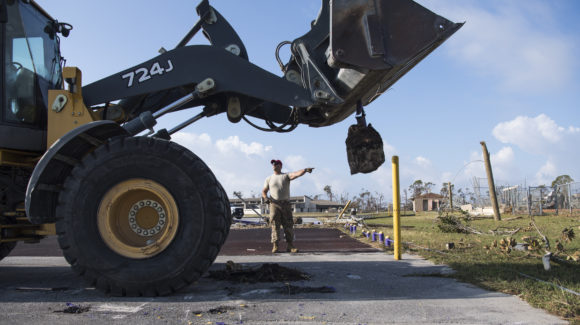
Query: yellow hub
x,y
138,218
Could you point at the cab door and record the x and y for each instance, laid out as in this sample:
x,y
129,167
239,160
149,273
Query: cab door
x,y
31,66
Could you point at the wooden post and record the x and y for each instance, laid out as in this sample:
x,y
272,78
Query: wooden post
x,y
344,209
450,196
490,182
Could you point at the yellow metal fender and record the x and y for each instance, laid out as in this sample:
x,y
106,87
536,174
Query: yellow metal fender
x,y
66,107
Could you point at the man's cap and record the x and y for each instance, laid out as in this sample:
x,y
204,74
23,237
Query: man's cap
x,y
276,162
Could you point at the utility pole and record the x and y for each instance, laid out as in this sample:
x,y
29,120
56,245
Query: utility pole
x,y
450,196
490,182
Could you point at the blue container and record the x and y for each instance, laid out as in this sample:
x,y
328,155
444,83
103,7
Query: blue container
x,y
381,237
374,236
388,242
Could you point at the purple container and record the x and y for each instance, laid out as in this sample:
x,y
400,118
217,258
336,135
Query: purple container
x,y
388,242
374,236
381,237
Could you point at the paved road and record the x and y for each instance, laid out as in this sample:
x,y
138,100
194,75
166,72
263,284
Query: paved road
x,y
368,288
242,241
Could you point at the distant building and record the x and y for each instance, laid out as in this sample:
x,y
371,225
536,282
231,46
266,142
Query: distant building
x,y
428,202
299,204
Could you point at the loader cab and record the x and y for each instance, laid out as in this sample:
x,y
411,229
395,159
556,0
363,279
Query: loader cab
x,y
31,66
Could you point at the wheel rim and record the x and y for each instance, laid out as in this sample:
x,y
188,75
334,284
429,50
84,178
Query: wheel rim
x,y
138,218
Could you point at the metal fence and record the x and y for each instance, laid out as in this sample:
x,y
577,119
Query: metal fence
x,y
532,200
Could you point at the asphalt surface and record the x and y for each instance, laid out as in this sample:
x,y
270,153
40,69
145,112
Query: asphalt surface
x,y
360,287
241,241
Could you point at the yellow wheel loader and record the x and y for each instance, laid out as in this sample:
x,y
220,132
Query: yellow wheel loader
x,y
135,213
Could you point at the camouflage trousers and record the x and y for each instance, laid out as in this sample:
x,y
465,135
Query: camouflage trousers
x,y
281,215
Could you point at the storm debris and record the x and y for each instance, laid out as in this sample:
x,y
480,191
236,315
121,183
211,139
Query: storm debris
x,y
267,272
575,257
452,224
568,234
220,310
498,232
215,311
73,309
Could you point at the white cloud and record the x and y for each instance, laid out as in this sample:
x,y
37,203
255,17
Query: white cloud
x,y
538,135
517,45
546,174
422,162
239,166
504,156
503,165
191,139
243,166
547,150
233,145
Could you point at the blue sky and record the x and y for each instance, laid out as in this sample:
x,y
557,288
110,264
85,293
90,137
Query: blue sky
x,y
509,77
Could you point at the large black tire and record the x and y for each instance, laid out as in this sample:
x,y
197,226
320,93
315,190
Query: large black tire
x,y
187,231
6,248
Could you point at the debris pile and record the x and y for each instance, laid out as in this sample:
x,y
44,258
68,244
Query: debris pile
x,y
267,272
452,224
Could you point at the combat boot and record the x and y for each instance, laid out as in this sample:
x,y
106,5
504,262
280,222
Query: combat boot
x,y
275,247
291,249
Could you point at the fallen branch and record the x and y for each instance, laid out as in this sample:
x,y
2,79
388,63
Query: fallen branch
x,y
514,218
472,230
497,232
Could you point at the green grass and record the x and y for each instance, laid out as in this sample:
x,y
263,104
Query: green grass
x,y
477,261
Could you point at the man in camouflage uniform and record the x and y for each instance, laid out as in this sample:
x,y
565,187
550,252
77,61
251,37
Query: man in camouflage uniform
x,y
278,185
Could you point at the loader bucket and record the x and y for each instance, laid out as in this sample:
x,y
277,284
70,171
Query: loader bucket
x,y
384,34
372,44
